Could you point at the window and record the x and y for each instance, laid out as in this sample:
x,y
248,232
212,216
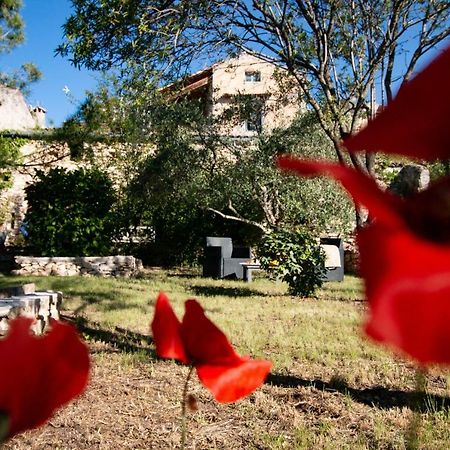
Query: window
x,y
252,77
255,122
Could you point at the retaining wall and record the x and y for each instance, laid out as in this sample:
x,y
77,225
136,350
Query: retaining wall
x,y
107,266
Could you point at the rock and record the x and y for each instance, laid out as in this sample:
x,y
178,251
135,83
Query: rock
x,y
410,180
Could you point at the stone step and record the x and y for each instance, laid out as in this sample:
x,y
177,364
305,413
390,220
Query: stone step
x,y
40,306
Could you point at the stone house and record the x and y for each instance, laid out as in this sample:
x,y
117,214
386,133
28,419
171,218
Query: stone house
x,y
268,90
220,87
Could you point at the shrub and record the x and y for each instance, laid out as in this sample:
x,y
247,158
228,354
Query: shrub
x,y
295,257
70,213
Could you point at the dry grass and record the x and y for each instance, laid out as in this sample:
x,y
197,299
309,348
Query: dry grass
x,y
329,389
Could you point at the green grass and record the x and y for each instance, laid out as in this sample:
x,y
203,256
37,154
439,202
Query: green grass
x,y
315,343
259,318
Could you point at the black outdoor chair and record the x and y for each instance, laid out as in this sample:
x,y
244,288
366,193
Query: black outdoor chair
x,y
222,260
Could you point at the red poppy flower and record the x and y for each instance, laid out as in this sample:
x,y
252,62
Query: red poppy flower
x,y
39,374
198,342
415,123
405,251
406,270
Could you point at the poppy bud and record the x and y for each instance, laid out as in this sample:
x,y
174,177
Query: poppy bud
x,y
191,403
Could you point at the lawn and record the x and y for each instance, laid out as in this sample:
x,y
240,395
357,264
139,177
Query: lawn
x,y
330,388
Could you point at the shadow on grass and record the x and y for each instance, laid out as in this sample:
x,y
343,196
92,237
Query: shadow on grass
x,y
106,294
357,301
182,275
119,338
215,291
107,303
378,396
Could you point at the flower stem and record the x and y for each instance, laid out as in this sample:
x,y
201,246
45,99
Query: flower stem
x,y
183,409
412,436
4,427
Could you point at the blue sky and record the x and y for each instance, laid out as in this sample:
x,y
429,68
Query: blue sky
x,y
43,32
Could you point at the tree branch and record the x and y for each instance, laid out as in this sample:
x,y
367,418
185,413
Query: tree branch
x,y
239,219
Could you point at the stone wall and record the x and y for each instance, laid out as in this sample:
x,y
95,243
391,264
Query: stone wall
x,y
107,266
351,258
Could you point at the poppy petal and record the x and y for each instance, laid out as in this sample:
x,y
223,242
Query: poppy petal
x,y
166,329
204,342
231,383
415,123
40,374
67,385
364,190
408,288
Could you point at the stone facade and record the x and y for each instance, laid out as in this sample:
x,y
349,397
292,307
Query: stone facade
x,y
351,258
248,76
35,155
15,113
107,266
225,83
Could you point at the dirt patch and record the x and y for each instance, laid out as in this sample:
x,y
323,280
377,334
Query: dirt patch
x,y
133,403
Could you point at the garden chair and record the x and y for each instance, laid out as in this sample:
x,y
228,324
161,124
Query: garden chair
x,y
223,260
334,258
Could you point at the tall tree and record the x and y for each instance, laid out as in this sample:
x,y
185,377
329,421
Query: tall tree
x,y
12,35
175,163
345,55
11,25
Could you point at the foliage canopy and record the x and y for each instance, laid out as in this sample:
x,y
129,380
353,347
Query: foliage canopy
x,y
11,25
344,55
185,180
